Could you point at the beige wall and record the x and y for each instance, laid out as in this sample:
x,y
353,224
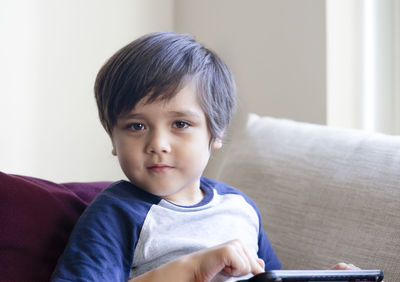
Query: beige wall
x,y
275,48
52,50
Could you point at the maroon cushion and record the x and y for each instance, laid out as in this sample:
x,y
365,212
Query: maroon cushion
x,y
36,218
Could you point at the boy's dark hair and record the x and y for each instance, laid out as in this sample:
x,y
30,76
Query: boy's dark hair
x,y
157,66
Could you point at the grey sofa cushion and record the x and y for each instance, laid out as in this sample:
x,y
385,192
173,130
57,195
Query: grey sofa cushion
x,y
326,195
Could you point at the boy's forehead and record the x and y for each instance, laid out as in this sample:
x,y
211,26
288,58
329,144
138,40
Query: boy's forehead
x,y
187,85
184,102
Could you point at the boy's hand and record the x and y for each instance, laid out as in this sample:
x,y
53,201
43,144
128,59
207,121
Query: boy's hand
x,y
212,264
228,259
344,266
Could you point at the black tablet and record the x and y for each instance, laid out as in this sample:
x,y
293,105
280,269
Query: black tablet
x,y
319,275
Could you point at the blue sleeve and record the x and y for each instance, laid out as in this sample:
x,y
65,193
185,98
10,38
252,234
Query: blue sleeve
x,y
266,252
101,246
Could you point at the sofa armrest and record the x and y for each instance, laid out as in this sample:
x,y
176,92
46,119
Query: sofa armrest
x,y
36,218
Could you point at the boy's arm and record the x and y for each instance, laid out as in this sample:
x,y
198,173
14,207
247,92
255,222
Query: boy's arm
x,y
267,253
100,247
228,259
265,250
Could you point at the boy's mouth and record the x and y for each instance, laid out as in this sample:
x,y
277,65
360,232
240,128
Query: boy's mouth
x,y
159,168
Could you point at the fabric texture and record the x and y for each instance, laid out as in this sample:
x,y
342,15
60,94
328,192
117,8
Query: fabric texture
x,y
36,218
126,231
326,195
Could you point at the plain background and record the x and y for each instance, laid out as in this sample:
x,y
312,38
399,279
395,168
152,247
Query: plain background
x,y
51,52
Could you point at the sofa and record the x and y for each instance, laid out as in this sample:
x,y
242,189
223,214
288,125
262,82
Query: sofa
x,y
326,195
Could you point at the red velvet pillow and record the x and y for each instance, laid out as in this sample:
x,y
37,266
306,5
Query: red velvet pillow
x,y
36,218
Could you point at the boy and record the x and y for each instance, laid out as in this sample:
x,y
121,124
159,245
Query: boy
x,y
165,102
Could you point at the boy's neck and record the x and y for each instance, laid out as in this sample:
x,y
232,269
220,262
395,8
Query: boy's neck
x,y
186,198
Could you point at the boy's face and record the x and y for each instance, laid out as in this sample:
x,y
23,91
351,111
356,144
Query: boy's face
x,y
163,146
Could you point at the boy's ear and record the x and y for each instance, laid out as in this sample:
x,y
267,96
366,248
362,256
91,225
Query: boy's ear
x,y
216,144
113,151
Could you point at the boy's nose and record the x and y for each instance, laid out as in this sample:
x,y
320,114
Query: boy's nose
x,y
158,143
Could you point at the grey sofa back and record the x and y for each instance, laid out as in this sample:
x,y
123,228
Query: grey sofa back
x,y
326,195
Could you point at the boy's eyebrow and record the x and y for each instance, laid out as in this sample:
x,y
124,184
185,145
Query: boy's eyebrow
x,y
184,113
133,115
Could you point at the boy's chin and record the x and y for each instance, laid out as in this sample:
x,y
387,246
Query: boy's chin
x,y
165,193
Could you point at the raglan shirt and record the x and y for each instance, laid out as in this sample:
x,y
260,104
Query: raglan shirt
x,y
126,231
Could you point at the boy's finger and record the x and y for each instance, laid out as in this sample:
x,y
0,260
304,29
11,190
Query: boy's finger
x,y
241,264
256,264
344,266
261,263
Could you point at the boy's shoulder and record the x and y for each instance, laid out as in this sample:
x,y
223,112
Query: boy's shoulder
x,y
124,191
223,188
226,189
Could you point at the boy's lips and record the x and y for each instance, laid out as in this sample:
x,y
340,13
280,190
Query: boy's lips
x,y
159,167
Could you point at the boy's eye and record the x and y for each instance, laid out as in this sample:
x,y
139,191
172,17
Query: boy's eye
x,y
181,124
136,126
